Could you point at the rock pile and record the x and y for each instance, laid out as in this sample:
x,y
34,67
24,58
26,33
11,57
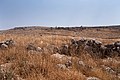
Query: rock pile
x,y
7,44
92,46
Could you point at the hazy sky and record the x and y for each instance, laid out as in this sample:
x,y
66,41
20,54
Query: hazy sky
x,y
58,12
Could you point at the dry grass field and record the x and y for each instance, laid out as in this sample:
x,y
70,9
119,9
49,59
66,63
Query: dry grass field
x,y
19,64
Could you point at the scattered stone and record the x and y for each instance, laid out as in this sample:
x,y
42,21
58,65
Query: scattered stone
x,y
61,66
68,64
61,57
93,78
51,49
57,55
39,49
81,63
7,44
64,49
31,47
108,69
10,43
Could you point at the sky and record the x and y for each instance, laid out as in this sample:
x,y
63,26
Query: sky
x,y
15,13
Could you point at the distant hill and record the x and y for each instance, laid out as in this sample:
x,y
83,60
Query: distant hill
x,y
59,27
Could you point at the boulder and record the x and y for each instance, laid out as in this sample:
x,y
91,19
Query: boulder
x,y
3,46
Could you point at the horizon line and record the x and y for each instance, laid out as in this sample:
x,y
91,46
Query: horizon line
x,y
111,25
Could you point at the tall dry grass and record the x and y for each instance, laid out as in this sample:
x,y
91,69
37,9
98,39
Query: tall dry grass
x,y
43,67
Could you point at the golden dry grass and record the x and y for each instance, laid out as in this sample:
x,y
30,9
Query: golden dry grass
x,y
43,67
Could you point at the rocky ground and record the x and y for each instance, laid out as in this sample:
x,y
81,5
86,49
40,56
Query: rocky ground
x,y
40,53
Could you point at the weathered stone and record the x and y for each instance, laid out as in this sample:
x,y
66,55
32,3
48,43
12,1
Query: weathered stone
x,y
51,49
31,47
108,69
60,57
93,78
39,49
3,46
61,66
73,41
68,64
64,50
81,63
93,47
72,49
9,42
117,44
